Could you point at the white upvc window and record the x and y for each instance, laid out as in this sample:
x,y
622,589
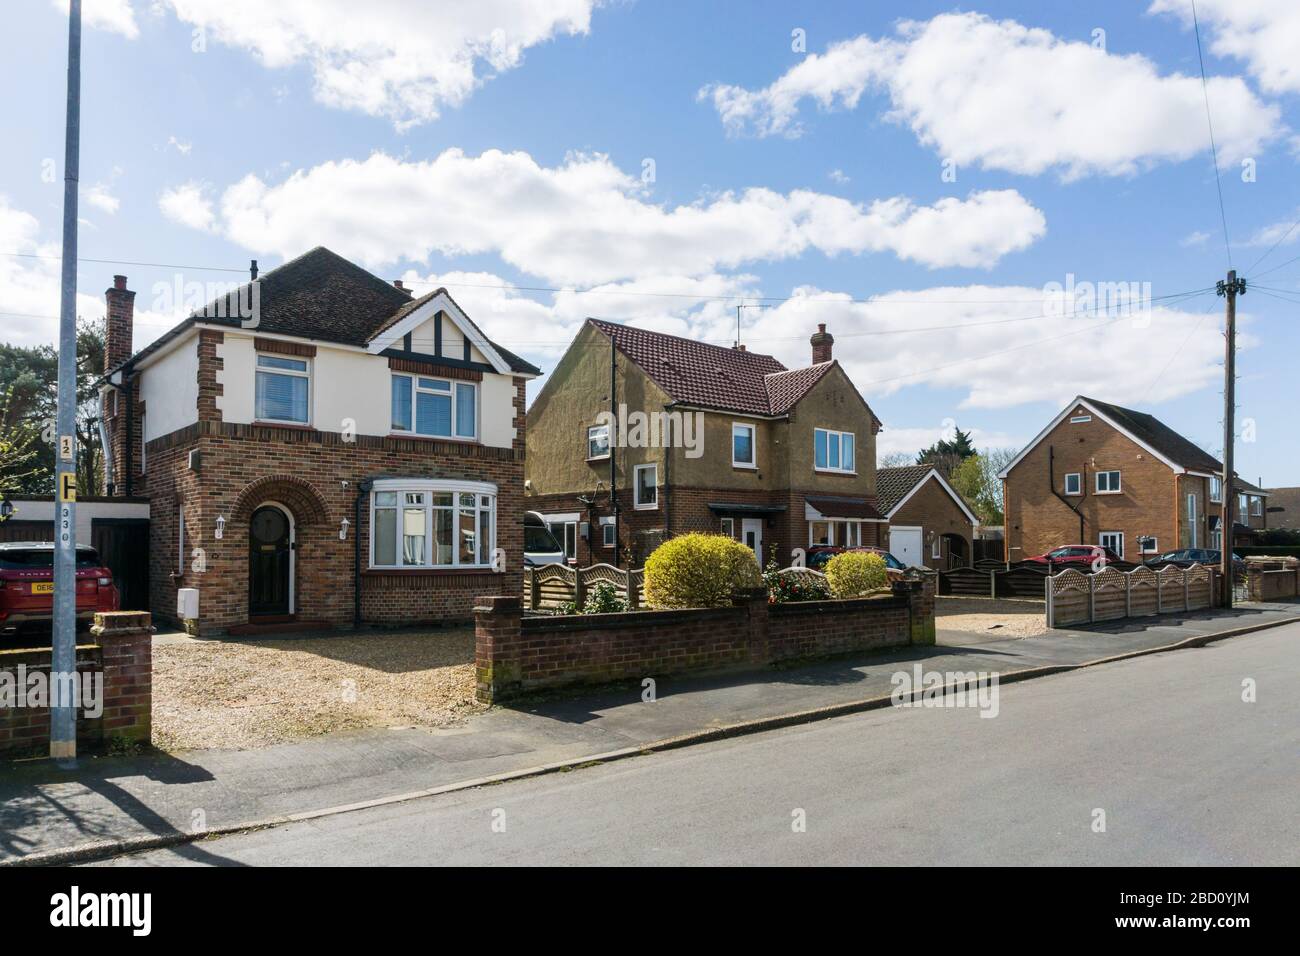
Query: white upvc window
x,y
417,523
743,453
607,536
645,487
1074,483
1108,483
936,548
282,390
1243,503
1080,419
1114,540
1149,545
597,442
840,533
438,407
728,527
833,451
1256,505
1216,490
1194,532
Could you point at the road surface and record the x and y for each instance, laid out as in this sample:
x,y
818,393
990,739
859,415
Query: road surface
x,y
1184,770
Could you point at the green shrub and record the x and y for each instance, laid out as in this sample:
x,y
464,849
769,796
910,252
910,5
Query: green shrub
x,y
699,570
855,573
604,599
785,588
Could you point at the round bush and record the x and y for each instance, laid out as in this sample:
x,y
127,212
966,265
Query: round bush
x,y
699,570
855,573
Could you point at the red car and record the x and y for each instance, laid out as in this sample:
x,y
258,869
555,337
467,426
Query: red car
x,y
27,584
1076,556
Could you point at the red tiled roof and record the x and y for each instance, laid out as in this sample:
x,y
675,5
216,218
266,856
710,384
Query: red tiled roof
x,y
697,373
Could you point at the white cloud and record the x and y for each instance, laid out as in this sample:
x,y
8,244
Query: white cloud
x,y
587,221
1005,96
115,16
838,176
1283,232
99,196
1265,34
181,147
1195,238
405,60
188,204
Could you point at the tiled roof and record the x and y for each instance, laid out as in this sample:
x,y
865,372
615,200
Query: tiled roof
x,y
714,376
832,507
1159,436
319,296
697,373
893,484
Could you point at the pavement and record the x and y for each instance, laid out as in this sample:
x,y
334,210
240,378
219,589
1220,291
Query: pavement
x,y
109,804
1079,769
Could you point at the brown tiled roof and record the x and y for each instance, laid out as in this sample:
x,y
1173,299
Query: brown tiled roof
x,y
1159,436
1287,499
319,296
893,484
714,376
831,507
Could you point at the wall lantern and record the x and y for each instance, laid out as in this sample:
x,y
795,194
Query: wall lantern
x,y
221,527
6,510
343,529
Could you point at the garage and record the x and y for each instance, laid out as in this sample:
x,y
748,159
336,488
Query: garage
x,y
905,544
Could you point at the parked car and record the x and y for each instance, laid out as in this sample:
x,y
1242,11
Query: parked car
x,y
820,555
1186,557
540,545
27,584
1075,556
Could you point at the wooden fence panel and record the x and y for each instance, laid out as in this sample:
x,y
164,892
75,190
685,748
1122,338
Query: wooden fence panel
x,y
1111,594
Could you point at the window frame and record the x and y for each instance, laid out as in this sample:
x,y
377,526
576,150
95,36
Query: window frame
x,y
1119,482
637,503
727,526
839,438
608,538
936,548
597,428
429,488
1256,506
1101,542
1078,483
1193,514
753,445
305,373
453,395
1216,490
1142,544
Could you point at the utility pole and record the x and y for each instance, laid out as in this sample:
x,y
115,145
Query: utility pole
x,y
63,665
1230,289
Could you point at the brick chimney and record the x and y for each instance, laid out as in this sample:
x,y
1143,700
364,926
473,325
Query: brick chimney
x,y
397,284
822,342
118,323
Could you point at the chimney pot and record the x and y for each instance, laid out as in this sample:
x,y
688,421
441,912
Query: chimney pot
x,y
119,282
398,283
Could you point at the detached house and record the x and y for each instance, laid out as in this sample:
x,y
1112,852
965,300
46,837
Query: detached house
x,y
777,458
1103,474
346,453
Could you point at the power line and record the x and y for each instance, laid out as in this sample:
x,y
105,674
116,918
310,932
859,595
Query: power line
x,y
1214,152
1279,242
125,262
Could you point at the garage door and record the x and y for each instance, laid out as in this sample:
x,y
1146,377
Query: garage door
x,y
905,544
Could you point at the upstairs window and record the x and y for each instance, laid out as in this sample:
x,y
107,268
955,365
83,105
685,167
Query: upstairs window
x,y
1256,505
833,451
1108,483
436,407
1074,483
597,442
1216,489
742,446
282,389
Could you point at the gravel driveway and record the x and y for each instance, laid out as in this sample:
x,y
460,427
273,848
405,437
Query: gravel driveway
x,y
988,618
233,694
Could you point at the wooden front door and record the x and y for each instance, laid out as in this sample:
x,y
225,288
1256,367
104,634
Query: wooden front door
x,y
270,563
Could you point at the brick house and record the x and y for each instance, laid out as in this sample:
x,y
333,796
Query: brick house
x,y
929,523
347,453
1103,474
778,458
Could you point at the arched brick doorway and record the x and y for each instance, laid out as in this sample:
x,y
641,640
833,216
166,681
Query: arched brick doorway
x,y
279,514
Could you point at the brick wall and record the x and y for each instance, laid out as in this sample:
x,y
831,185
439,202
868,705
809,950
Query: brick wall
x,y
516,655
123,652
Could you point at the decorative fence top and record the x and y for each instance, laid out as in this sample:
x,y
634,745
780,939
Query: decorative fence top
x,y
1074,597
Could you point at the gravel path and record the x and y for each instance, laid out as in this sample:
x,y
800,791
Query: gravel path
x,y
995,618
241,694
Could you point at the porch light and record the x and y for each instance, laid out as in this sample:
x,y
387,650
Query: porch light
x,y
343,529
6,510
221,527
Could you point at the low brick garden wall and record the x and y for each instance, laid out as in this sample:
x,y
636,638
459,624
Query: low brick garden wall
x,y
122,651
516,655
1272,581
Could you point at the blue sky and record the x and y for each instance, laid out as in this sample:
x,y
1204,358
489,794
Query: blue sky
x,y
683,157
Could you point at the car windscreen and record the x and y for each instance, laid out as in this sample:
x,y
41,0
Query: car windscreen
x,y
539,540
37,559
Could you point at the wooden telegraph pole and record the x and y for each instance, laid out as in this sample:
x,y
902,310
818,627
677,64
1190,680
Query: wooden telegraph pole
x,y
1229,289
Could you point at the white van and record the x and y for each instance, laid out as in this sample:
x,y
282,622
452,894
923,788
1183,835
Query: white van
x,y
540,546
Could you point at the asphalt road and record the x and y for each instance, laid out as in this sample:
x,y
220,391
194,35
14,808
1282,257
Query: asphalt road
x,y
1185,771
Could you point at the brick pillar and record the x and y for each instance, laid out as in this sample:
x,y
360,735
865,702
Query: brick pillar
x,y
920,606
755,603
497,626
209,365
126,639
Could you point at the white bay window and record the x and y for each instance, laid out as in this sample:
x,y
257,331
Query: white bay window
x,y
432,524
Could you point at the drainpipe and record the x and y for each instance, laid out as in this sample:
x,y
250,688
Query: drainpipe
x,y
664,490
1083,488
128,458
106,447
613,448
363,490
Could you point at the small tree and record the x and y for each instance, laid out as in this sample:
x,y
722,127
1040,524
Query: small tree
x,y
19,446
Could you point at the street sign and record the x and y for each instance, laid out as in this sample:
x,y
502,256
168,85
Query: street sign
x,y
67,486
